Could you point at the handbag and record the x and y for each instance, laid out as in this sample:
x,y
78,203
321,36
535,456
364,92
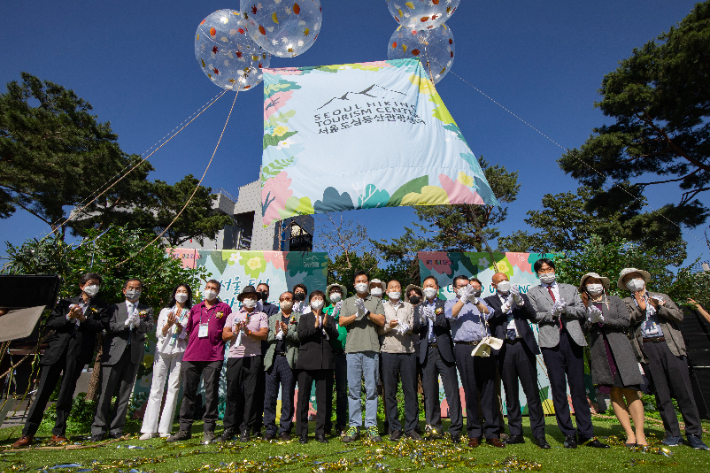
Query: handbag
x,y
488,343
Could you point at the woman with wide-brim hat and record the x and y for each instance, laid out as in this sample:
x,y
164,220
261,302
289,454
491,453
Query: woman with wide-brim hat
x,y
614,364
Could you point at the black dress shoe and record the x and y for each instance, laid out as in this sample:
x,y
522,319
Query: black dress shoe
x,y
456,438
542,443
303,440
226,436
321,439
514,439
97,438
414,435
396,435
244,437
285,436
571,441
269,436
592,442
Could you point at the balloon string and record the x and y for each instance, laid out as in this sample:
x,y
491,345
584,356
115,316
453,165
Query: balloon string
x,y
196,187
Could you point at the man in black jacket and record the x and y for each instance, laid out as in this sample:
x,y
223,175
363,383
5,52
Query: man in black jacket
x,y
516,358
75,321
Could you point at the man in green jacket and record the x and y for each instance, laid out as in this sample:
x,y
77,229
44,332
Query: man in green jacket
x,y
335,293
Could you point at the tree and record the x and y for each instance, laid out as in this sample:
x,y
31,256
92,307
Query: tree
x,y
660,101
565,225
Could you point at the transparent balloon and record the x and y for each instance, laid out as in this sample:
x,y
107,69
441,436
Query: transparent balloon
x,y
285,28
422,14
434,48
226,53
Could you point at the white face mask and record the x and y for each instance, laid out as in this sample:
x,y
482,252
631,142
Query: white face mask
x,y
133,294
430,292
547,278
181,297
461,292
376,291
595,289
504,287
361,288
335,297
317,304
637,284
394,295
286,305
249,303
92,290
209,294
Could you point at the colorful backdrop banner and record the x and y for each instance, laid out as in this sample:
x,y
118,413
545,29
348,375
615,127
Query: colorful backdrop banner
x,y
361,136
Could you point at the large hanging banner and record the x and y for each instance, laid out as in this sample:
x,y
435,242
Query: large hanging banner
x,y
362,136
234,270
445,266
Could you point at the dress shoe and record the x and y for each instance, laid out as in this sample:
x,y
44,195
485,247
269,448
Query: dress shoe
x,y
115,435
503,436
456,438
303,440
321,439
514,439
58,438
496,442
473,443
396,435
285,436
97,438
435,436
226,436
542,443
269,436
414,435
24,441
208,437
592,442
244,437
180,436
571,441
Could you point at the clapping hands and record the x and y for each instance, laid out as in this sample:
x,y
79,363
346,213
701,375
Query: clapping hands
x,y
515,292
595,315
362,310
559,307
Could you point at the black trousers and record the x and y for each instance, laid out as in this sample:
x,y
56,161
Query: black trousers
x,y
517,365
341,394
258,418
324,399
242,401
565,364
432,367
191,372
670,378
68,369
477,375
279,375
396,366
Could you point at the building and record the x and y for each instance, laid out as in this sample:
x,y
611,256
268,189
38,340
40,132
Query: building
x,y
248,231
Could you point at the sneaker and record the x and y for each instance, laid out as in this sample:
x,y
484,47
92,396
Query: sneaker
x,y
352,435
208,437
672,441
181,435
374,433
148,436
695,442
164,435
226,436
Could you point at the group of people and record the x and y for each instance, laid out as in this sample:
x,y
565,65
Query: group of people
x,y
410,337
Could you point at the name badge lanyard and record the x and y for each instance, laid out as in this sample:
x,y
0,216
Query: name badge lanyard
x,y
203,331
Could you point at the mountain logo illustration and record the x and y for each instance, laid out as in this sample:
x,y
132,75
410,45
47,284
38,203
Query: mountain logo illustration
x,y
374,91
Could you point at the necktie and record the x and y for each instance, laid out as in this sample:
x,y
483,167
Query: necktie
x,y
552,294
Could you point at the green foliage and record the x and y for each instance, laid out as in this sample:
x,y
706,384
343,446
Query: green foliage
x,y
659,103
80,418
273,169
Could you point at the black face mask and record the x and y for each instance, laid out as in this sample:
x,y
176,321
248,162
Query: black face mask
x,y
299,297
263,295
415,300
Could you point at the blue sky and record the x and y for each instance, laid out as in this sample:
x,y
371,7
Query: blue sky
x,y
134,62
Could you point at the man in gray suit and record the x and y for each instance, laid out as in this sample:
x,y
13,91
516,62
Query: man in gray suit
x,y
122,355
558,311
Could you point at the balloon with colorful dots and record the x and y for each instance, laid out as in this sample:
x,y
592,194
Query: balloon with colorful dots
x,y
422,14
434,48
226,53
285,28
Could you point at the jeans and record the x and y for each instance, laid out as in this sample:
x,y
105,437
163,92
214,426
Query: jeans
x,y
367,365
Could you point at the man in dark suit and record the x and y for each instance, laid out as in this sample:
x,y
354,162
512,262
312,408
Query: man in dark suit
x,y
516,358
75,322
269,309
436,355
123,353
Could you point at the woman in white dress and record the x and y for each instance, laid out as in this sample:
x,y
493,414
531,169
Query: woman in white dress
x,y
172,341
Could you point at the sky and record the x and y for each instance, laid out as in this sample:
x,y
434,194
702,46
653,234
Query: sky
x,y
544,61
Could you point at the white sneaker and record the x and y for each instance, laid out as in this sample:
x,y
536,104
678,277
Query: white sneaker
x,y
164,436
148,436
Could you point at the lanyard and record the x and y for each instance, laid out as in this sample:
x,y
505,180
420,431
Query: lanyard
x,y
209,316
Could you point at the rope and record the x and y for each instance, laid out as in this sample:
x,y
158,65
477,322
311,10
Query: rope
x,y
196,187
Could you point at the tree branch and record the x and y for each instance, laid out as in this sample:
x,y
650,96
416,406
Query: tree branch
x,y
646,119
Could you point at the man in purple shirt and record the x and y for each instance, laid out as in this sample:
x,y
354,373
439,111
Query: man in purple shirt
x,y
204,356
245,329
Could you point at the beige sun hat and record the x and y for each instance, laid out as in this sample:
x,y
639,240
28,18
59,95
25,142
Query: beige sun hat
x,y
377,281
409,288
626,271
605,281
342,288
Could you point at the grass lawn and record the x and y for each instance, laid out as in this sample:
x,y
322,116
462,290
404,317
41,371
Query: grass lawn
x,y
258,455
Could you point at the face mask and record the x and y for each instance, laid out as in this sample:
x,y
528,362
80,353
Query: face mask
x,y
361,288
209,294
92,290
430,292
317,304
249,303
477,292
461,291
181,297
595,289
414,300
263,295
504,287
286,305
376,291
636,285
394,295
299,296
547,278
335,297
133,294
